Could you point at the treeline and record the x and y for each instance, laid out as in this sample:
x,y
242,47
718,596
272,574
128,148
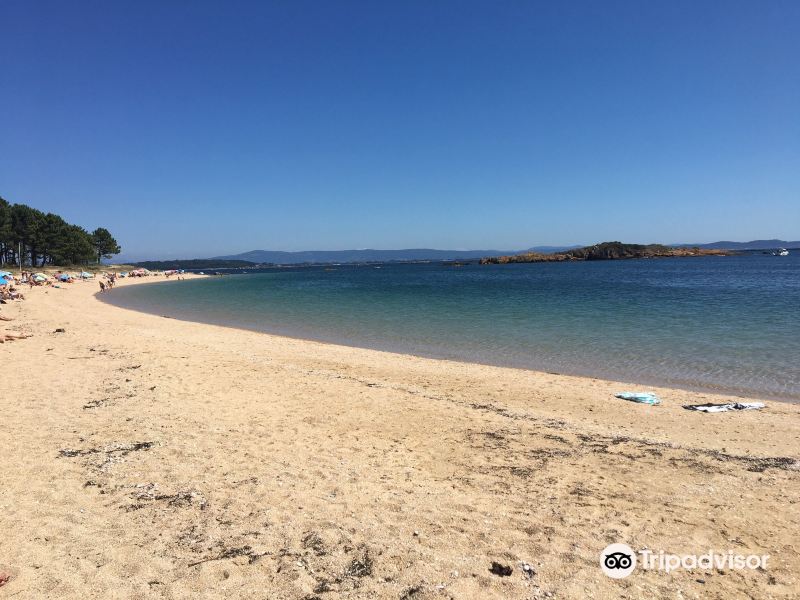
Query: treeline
x,y
37,239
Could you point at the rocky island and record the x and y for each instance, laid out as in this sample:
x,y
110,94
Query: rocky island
x,y
606,251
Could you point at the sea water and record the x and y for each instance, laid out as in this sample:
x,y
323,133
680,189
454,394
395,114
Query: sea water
x,y
728,324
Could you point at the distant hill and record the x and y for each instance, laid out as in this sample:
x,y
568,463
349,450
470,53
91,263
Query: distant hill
x,y
754,245
551,249
195,263
356,256
279,257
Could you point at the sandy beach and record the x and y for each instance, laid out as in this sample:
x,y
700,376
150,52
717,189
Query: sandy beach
x,y
146,457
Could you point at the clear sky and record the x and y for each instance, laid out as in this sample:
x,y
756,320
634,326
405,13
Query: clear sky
x,y
197,128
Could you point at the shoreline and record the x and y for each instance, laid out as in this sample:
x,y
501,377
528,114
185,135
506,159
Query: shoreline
x,y
624,381
157,457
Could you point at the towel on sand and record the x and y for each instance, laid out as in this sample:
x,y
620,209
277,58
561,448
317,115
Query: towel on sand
x,y
714,408
640,397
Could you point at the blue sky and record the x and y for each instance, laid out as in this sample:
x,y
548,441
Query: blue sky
x,y
201,128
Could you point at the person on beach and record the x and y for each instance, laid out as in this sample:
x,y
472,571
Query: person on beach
x,y
102,287
10,337
10,294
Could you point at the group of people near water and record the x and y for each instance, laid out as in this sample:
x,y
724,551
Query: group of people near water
x,y
30,278
40,279
110,280
10,290
9,286
9,293
176,273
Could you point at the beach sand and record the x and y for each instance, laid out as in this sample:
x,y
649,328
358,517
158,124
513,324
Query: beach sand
x,y
146,457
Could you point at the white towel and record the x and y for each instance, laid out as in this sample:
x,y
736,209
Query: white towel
x,y
714,408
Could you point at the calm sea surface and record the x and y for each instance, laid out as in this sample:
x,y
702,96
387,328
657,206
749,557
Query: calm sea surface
x,y
728,324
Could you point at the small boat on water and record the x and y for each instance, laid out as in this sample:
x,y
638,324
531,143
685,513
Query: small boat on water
x,y
780,252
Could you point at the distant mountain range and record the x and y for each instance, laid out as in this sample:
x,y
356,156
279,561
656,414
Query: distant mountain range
x,y
279,257
354,256
754,245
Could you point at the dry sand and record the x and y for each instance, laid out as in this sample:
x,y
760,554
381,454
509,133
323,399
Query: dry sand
x,y
144,457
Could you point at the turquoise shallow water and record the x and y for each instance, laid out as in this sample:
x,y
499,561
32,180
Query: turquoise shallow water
x,y
725,324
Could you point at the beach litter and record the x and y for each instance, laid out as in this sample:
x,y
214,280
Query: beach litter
x,y
501,570
715,408
640,397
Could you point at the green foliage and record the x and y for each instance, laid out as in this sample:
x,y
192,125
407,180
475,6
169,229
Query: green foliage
x,y
5,221
104,244
48,239
616,250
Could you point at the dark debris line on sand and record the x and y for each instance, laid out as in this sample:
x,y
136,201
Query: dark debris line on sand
x,y
233,553
751,463
123,450
180,499
360,566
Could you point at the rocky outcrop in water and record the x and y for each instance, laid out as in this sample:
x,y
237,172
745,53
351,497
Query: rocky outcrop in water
x,y
606,251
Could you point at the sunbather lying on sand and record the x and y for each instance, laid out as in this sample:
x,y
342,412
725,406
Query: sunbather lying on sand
x,y
10,337
11,294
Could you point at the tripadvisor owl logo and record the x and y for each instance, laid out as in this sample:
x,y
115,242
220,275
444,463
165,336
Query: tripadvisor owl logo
x,y
618,560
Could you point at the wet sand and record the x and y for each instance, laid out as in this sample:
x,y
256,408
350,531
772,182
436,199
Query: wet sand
x,y
146,457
